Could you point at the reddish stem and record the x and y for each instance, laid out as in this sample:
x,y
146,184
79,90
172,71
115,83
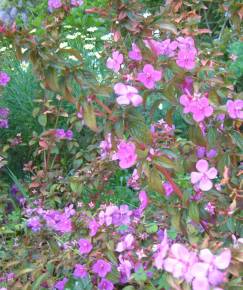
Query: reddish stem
x,y
171,181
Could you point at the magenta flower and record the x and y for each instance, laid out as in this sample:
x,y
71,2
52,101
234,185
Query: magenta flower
x,y
168,188
80,271
187,85
58,221
135,53
114,62
101,268
204,176
149,76
60,133
69,135
54,4
127,95
126,154
199,107
162,251
77,3
60,285
125,267
235,109
186,59
4,79
105,285
185,43
84,246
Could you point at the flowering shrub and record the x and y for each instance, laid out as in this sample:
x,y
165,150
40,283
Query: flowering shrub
x,y
185,232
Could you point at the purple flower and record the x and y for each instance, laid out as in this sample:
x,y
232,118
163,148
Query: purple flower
x,y
204,176
212,153
4,79
124,268
235,109
34,223
80,271
133,181
69,135
84,246
135,53
210,208
114,62
54,4
200,152
127,95
161,252
4,112
58,221
93,227
60,133
101,268
3,123
149,76
77,3
105,146
105,285
60,285
168,188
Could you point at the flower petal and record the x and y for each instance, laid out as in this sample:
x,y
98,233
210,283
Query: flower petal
x,y
202,165
205,184
212,173
196,177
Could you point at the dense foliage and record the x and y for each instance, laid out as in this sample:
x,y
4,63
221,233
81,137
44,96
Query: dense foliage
x,y
121,144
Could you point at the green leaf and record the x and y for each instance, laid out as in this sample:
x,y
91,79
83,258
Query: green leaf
x,y
81,284
152,228
237,139
140,275
212,137
194,212
39,280
42,120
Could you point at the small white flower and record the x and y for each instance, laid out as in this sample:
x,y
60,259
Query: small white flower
x,y
146,14
92,29
24,65
108,36
63,44
72,57
89,46
3,49
23,50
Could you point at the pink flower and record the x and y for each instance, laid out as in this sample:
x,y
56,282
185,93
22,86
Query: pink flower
x,y
77,3
80,271
135,53
199,107
204,176
124,268
93,227
235,109
105,285
185,43
186,59
167,47
54,4
114,62
126,154
4,79
84,246
127,95
161,253
105,146
143,198
101,268
126,244
149,76
168,188
200,284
